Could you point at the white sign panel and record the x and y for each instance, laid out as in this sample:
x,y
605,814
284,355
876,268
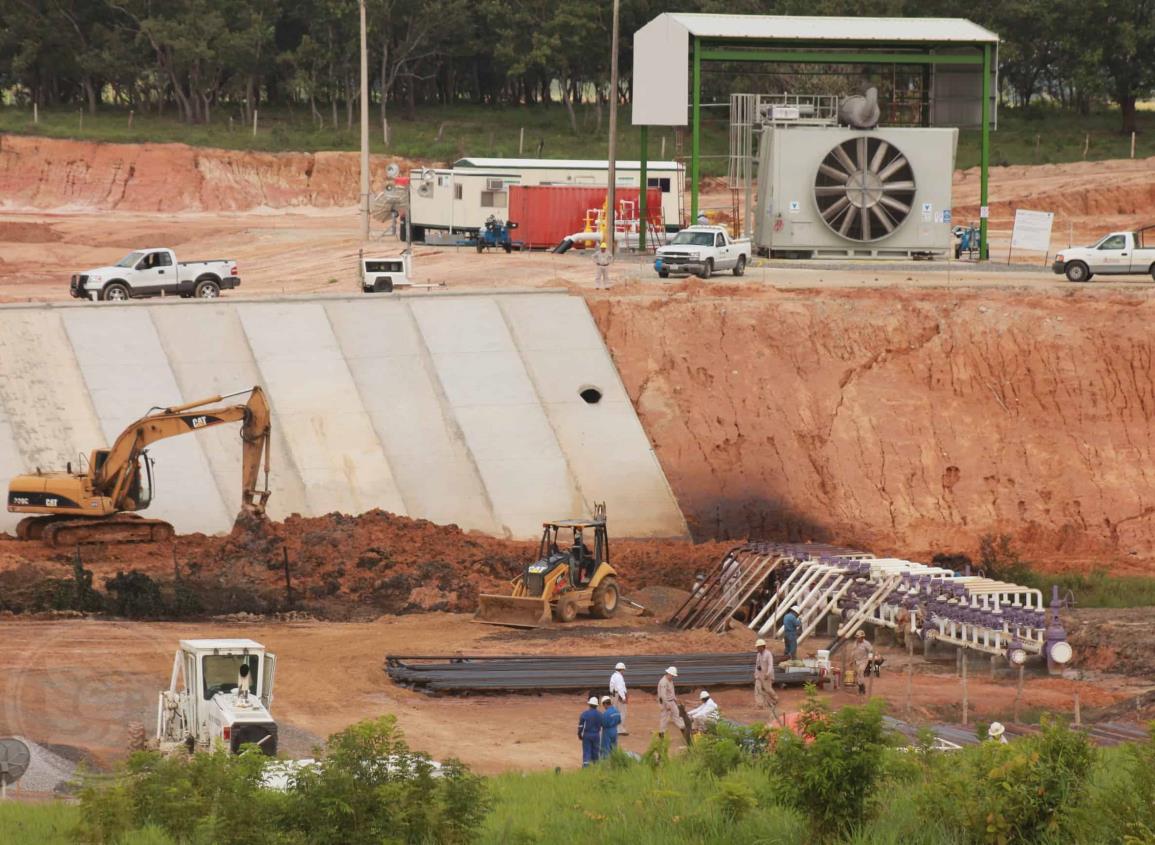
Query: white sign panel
x,y
1032,230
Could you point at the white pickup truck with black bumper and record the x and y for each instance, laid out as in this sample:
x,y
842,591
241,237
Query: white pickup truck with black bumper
x,y
1117,254
156,272
703,250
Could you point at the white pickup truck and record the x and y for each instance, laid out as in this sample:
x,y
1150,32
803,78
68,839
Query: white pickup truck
x,y
1118,254
156,272
703,250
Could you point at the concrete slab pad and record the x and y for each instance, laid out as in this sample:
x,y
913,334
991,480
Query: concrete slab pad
x,y
417,428
319,411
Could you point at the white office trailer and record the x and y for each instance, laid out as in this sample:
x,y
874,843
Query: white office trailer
x,y
460,198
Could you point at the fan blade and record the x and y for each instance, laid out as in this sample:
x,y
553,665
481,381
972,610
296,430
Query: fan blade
x,y
829,214
879,156
833,173
860,149
829,190
884,219
896,164
893,204
864,216
844,158
846,221
891,187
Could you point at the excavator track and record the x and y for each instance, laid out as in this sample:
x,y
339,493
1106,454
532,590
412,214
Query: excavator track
x,y
117,529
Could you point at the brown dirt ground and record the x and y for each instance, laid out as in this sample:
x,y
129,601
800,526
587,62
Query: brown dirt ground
x,y
79,683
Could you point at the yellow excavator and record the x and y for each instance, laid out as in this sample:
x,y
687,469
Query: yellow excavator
x,y
98,502
567,577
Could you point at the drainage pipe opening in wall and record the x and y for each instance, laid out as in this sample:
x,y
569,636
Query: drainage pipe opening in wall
x,y
590,395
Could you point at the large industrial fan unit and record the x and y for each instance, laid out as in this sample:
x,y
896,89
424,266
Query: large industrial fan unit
x,y
833,191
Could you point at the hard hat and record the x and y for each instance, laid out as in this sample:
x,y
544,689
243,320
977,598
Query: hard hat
x,y
593,700
860,634
673,670
703,695
606,698
620,666
996,729
758,643
603,244
795,608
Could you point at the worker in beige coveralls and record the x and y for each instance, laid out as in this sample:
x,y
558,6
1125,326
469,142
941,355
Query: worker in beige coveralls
x,y
668,703
603,259
764,695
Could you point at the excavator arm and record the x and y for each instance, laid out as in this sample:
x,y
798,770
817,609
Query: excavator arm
x,y
114,478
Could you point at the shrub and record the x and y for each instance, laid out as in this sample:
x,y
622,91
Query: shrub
x,y
832,773
735,799
135,595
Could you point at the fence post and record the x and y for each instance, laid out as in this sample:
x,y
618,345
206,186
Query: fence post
x,y
521,143
254,123
965,699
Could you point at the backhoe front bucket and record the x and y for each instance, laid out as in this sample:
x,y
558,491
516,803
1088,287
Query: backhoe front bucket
x,y
519,612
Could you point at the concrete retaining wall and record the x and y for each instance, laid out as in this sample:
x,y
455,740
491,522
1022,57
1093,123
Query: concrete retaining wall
x,y
458,408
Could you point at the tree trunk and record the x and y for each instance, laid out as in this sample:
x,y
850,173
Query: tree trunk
x,y
567,98
411,100
1127,107
90,93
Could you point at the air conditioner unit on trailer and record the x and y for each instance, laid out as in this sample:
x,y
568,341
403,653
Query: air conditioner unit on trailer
x,y
835,191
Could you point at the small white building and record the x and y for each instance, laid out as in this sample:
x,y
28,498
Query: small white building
x,y
459,199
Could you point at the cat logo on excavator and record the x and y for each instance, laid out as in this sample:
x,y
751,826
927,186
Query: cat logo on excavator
x,y
566,578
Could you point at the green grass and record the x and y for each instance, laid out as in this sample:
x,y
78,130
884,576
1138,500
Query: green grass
x,y
449,132
37,824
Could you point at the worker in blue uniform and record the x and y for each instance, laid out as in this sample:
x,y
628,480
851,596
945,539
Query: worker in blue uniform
x,y
791,629
611,718
590,732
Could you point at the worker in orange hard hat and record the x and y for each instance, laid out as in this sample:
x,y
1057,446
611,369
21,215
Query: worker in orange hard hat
x,y
603,258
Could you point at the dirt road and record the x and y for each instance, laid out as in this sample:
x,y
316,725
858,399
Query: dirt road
x,y
79,683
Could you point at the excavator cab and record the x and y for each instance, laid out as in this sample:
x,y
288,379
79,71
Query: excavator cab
x,y
567,577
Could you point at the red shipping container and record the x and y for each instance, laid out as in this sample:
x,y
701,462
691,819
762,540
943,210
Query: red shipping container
x,y
546,214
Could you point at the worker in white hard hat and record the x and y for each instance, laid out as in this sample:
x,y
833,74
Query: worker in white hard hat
x,y
791,630
997,732
619,693
603,258
705,714
764,695
861,655
611,719
668,702
590,731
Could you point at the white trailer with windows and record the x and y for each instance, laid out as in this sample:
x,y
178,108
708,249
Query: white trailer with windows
x,y
459,199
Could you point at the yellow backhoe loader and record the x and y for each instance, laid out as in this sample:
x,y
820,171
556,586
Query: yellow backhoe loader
x,y
98,503
566,578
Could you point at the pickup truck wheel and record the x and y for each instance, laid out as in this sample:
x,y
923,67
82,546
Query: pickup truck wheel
x,y
708,270
207,289
1153,272
740,267
1077,272
116,292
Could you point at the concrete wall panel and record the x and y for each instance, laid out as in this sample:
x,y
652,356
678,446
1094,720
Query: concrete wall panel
x,y
127,373
318,409
606,448
459,408
495,403
210,356
400,390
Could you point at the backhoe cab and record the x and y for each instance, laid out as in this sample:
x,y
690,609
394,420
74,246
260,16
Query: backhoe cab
x,y
566,578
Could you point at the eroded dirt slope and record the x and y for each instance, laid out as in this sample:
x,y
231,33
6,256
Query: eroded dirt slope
x,y
905,421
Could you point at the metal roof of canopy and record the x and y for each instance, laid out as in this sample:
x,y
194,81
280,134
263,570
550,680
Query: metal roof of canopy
x,y
817,28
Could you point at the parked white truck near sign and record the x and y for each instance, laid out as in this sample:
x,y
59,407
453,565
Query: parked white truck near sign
x,y
1118,254
703,250
156,272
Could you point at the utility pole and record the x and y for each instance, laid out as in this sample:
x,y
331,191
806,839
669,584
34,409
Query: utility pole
x,y
364,130
612,175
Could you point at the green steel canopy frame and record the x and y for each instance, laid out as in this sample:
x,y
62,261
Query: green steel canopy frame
x,y
722,50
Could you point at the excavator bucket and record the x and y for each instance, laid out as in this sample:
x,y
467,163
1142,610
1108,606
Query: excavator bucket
x,y
516,612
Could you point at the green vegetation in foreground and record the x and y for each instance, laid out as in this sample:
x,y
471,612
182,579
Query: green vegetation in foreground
x,y
444,133
842,782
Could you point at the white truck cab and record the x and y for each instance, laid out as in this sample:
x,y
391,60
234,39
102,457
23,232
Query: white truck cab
x,y
1117,254
703,250
156,272
219,695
